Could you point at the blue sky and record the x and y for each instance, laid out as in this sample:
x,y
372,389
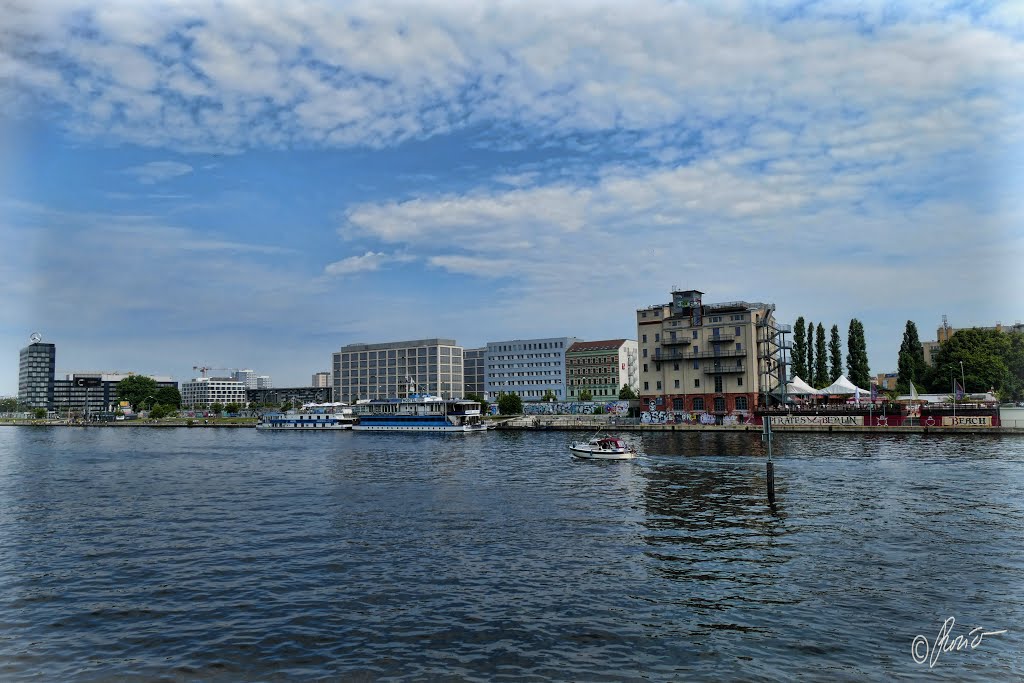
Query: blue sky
x,y
253,184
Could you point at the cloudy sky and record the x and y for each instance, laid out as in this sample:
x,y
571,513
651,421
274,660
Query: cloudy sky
x,y
254,184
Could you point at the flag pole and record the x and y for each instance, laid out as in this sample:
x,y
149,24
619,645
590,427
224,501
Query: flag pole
x,y
963,381
953,377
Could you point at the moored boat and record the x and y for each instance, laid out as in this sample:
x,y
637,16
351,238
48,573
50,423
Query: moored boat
x,y
419,413
311,417
602,448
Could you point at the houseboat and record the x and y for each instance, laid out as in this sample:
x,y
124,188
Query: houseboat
x,y
419,413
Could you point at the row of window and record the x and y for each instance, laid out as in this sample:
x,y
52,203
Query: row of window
x,y
719,384
719,404
529,346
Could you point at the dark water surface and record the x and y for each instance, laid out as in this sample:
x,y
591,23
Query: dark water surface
x,y
217,554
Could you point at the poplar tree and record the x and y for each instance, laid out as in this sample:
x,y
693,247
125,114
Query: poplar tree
x,y
820,359
799,349
857,370
810,354
835,350
910,366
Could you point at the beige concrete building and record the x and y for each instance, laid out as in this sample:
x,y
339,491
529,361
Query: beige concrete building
x,y
944,332
398,369
715,358
321,379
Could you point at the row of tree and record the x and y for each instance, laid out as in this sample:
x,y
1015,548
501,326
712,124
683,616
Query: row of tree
x,y
820,367
980,360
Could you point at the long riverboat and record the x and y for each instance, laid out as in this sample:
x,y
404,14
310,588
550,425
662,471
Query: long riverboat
x,y
419,413
311,417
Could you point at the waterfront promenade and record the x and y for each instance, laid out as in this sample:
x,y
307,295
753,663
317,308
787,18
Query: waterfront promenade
x,y
565,423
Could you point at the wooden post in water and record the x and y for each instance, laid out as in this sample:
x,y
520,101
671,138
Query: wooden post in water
x,y
766,436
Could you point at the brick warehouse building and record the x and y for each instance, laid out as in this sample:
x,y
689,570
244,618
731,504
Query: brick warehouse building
x,y
714,358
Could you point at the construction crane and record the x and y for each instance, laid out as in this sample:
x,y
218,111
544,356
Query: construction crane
x,y
203,369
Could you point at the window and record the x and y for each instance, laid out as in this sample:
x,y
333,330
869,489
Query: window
x,y
719,405
695,334
645,353
718,382
657,336
659,385
677,404
677,384
739,381
696,383
675,366
738,332
644,339
698,403
646,387
741,403
696,365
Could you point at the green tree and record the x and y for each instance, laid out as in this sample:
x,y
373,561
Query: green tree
x,y
8,405
857,367
585,395
835,351
510,404
820,359
169,396
39,413
137,390
159,411
232,407
626,393
217,407
992,360
286,406
810,354
549,396
910,364
800,349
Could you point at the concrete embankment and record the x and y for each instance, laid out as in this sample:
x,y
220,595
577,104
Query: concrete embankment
x,y
590,423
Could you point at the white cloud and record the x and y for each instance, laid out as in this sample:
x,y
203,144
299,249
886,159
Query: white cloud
x,y
371,73
158,171
368,262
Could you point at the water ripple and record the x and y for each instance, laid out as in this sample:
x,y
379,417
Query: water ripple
x,y
231,555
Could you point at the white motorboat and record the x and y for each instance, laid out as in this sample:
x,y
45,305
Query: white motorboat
x,y
602,448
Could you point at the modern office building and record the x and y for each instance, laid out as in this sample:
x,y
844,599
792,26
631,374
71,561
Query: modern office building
x,y
398,369
527,367
202,392
276,396
602,368
36,366
473,372
321,379
246,377
263,382
69,394
714,358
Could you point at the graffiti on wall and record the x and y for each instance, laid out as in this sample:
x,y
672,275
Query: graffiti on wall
x,y
576,408
660,417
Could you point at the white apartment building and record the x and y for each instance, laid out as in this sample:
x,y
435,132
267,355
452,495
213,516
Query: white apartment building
x,y
202,392
263,382
398,369
321,379
527,367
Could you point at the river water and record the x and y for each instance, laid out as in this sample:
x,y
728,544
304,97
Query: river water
x,y
227,554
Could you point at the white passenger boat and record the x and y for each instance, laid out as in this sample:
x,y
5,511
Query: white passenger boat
x,y
419,413
311,417
602,448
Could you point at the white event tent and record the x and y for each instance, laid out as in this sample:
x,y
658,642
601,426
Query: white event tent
x,y
843,386
801,388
